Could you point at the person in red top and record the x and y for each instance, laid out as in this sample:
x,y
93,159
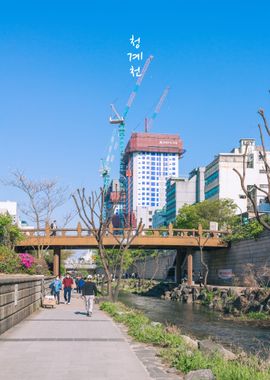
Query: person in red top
x,y
67,283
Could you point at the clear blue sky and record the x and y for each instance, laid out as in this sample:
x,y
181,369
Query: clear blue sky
x,y
63,63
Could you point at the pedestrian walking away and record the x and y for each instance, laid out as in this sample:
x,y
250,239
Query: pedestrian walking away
x,y
89,292
67,284
80,284
56,286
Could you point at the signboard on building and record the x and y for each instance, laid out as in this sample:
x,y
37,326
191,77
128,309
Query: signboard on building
x,y
225,274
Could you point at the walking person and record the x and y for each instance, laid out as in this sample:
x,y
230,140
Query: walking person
x,y
57,286
89,291
67,283
53,227
80,284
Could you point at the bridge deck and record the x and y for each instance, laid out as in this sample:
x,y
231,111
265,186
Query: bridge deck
x,y
150,238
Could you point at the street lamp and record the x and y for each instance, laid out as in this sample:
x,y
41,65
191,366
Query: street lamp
x,y
241,214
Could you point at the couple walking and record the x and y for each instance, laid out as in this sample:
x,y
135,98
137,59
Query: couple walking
x,y
88,289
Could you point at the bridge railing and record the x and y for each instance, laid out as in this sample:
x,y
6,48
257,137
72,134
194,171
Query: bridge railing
x,y
145,232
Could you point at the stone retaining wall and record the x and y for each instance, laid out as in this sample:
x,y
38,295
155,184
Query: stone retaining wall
x,y
19,297
155,267
235,257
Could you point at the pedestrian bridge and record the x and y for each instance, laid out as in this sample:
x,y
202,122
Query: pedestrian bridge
x,y
185,241
81,238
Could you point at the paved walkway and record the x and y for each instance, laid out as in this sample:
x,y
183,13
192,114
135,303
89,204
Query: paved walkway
x,y
63,343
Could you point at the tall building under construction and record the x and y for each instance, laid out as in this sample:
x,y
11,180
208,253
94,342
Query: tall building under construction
x,y
150,159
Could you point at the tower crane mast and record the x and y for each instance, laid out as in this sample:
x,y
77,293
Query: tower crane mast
x,y
149,122
120,120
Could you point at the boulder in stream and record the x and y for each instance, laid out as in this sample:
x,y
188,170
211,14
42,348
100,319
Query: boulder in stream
x,y
209,347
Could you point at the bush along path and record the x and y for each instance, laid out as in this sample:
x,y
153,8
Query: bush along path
x,y
206,360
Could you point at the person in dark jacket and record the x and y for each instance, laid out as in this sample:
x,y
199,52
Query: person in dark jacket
x,y
89,292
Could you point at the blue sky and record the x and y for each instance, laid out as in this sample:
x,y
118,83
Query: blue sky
x,y
63,63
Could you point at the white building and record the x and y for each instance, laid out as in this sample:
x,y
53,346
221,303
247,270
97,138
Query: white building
x,y
221,181
150,160
181,191
11,208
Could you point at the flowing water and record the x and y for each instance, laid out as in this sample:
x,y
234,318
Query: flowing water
x,y
198,321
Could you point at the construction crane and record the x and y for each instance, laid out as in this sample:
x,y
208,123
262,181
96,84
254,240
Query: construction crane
x,y
149,122
105,167
120,120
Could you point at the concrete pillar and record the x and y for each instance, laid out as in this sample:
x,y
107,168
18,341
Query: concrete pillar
x,y
189,266
56,261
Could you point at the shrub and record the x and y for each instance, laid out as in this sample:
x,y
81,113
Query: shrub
x,y
9,260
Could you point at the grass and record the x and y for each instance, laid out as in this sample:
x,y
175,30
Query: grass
x,y
178,354
255,315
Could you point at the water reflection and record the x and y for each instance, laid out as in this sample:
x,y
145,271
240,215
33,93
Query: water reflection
x,y
198,321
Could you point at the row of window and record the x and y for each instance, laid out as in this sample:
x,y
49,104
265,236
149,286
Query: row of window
x,y
212,192
211,178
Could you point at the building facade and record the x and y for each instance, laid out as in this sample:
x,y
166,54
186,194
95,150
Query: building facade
x,y
181,191
221,181
150,159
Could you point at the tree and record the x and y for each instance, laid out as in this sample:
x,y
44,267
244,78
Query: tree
x,y
9,232
43,196
242,176
221,211
199,216
91,212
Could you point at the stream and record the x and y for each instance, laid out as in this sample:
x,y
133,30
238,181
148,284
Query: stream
x,y
197,321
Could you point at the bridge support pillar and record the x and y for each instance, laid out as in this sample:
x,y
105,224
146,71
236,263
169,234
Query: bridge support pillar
x,y
189,266
56,261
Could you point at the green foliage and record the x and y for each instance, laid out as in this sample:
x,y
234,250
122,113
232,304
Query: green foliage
x,y
250,230
175,351
9,232
256,315
9,260
11,263
221,211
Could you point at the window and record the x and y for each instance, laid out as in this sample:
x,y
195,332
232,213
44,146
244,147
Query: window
x,y
250,161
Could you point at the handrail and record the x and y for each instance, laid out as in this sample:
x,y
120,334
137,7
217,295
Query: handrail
x,y
146,232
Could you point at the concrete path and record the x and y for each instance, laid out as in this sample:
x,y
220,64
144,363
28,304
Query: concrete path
x,y
63,343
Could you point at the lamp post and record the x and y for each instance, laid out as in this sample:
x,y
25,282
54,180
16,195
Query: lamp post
x,y
241,214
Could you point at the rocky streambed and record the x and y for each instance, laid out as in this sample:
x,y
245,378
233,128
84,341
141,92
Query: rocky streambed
x,y
232,300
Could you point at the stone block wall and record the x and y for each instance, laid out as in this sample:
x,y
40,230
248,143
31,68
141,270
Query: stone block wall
x,y
19,297
157,267
235,257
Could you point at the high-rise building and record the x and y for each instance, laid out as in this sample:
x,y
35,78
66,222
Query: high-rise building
x,y
150,159
221,181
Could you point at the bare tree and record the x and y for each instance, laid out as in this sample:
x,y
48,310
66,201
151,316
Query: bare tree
x,y
202,240
43,196
242,176
91,212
